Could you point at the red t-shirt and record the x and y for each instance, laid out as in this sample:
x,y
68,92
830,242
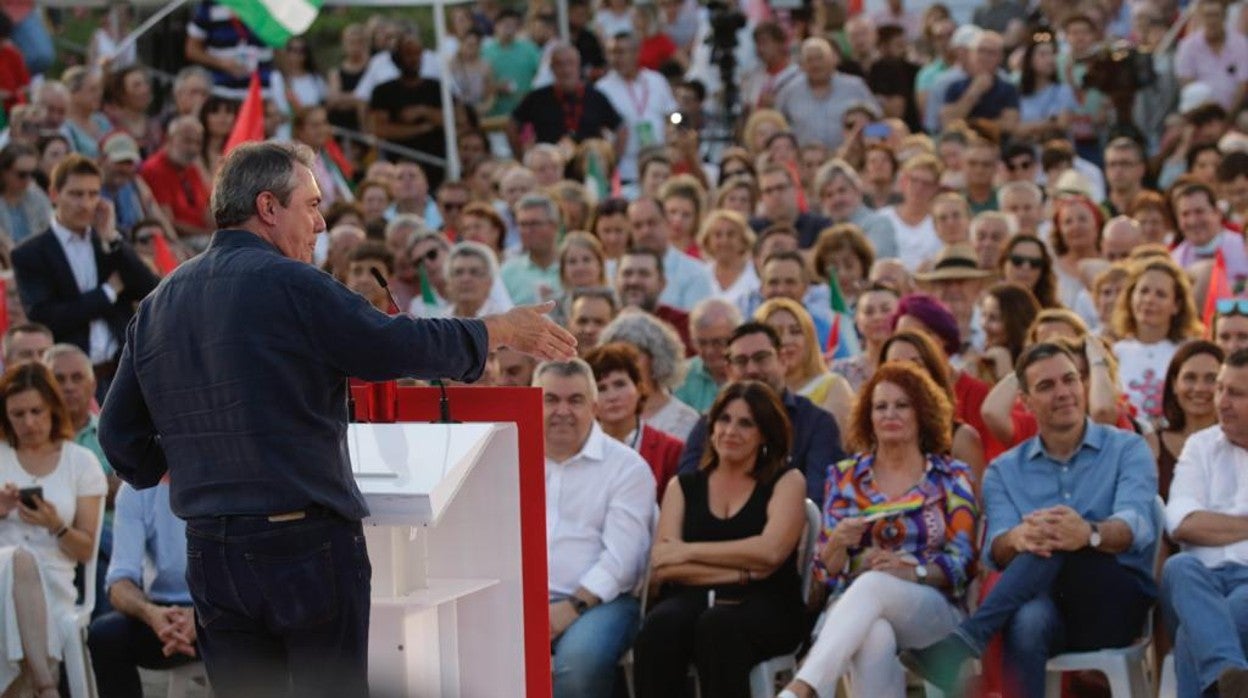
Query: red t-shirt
x,y
13,73
182,189
655,51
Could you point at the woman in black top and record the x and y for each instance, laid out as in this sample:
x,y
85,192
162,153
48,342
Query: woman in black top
x,y
724,555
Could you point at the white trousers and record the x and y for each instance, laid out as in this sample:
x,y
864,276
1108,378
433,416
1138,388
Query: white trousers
x,y
863,630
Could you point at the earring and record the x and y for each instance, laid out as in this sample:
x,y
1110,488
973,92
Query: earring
x,y
764,450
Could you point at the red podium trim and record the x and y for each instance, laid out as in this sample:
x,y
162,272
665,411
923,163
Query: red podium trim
x,y
523,407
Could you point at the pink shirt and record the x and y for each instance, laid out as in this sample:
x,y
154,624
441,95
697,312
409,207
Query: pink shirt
x,y
1224,72
1232,246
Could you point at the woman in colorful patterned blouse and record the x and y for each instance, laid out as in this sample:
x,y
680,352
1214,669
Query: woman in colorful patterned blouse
x,y
898,538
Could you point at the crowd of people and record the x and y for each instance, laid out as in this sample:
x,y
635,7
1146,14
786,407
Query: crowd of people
x,y
973,288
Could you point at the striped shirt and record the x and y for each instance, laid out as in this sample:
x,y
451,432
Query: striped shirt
x,y
226,38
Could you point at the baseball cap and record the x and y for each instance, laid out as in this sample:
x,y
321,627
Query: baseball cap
x,y
120,147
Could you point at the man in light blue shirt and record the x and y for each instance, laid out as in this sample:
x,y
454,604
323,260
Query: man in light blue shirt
x,y
152,626
1071,526
533,275
688,280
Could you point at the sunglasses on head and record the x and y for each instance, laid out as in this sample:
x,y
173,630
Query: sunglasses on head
x,y
1019,260
1232,306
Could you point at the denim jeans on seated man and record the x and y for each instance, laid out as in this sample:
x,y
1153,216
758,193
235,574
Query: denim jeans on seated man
x,y
587,654
1207,612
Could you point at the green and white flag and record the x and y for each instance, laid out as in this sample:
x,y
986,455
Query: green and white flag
x,y
276,21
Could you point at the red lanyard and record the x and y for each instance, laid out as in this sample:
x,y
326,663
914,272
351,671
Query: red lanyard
x,y
639,104
571,121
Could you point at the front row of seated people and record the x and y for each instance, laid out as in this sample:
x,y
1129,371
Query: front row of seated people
x,y
1070,535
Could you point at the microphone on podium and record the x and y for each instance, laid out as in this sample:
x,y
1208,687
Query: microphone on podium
x,y
444,403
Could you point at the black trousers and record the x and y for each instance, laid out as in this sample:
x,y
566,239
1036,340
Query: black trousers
x,y
120,645
723,642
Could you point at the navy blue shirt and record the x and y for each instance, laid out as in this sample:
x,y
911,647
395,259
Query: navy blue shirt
x,y
816,443
808,226
1001,96
233,378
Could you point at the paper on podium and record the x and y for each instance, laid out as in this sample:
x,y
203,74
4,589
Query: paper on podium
x,y
410,472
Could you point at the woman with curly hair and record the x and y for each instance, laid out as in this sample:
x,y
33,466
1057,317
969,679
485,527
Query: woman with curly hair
x,y
898,541
1155,313
916,348
662,369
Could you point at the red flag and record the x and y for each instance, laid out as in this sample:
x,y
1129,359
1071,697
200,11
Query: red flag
x,y
1219,287
4,305
249,124
163,256
335,153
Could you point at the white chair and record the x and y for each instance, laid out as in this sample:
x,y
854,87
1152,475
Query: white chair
x,y
763,675
1123,666
180,679
73,627
1169,682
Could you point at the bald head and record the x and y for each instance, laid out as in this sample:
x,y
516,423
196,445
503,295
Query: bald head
x,y
1120,235
818,60
186,139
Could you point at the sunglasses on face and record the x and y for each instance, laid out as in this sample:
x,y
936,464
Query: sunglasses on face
x,y
1019,260
430,256
1232,306
1016,165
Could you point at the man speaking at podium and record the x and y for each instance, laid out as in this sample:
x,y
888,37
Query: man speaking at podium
x,y
233,378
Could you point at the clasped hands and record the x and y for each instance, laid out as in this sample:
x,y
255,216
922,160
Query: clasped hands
x,y
175,627
1050,530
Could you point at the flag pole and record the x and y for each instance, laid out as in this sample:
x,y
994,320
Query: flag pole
x,y
448,105
144,27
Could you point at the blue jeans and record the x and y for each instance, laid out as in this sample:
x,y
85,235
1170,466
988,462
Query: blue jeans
x,y
281,608
1078,601
586,654
1206,610
32,38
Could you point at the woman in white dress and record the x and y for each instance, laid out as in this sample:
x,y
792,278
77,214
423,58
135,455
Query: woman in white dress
x,y
42,538
1154,315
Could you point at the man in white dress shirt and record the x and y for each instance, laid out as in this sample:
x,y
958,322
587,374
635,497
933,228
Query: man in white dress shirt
x,y
600,498
1204,589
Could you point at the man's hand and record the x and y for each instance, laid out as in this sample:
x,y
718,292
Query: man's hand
x,y
174,627
105,222
980,84
115,281
562,615
1030,536
526,329
1065,528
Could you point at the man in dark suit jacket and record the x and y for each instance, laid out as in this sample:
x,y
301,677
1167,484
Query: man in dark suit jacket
x,y
79,277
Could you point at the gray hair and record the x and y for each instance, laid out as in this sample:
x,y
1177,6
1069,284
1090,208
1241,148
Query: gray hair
x,y
832,169
49,87
1011,225
188,73
411,221
711,309
656,338
539,149
568,369
468,248
252,169
541,201
1028,188
58,350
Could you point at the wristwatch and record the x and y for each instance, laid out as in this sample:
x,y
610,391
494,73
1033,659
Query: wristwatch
x,y
1094,540
920,573
578,604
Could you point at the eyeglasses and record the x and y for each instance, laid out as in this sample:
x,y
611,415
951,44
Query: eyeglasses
x,y
1232,306
430,256
532,224
776,189
23,174
453,205
470,272
1019,260
1016,165
711,343
144,238
758,357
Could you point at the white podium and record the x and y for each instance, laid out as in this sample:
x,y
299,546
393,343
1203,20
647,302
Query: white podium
x,y
444,541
